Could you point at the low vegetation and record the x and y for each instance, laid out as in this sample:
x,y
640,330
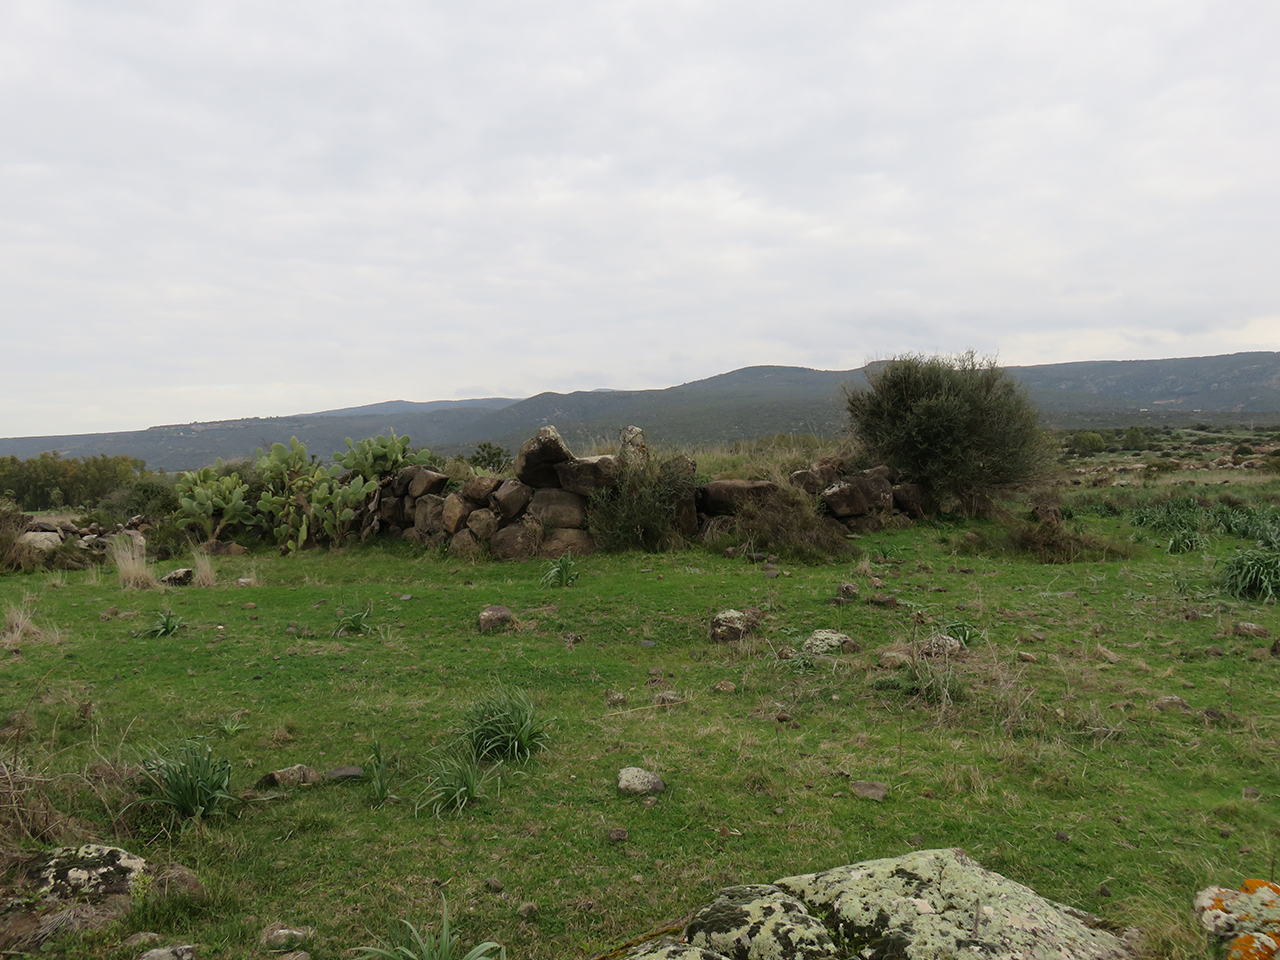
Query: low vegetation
x,y
1107,732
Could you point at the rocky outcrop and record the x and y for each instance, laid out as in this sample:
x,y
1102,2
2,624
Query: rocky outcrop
x,y
925,905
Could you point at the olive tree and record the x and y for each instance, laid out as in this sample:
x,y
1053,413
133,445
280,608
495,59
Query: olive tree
x,y
960,426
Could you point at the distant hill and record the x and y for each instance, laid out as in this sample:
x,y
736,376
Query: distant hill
x,y
742,404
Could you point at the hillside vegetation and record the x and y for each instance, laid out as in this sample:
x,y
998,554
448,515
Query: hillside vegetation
x,y
1105,731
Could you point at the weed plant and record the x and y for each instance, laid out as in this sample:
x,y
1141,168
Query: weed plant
x,y
639,511
380,775
788,522
413,943
166,624
353,624
503,725
1253,575
560,573
457,781
188,782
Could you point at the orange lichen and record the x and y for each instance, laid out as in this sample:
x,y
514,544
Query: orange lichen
x,y
1253,886
1252,946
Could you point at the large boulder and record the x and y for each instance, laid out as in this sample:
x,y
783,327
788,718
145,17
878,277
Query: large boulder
x,y
516,541
559,508
632,447
428,513
479,489
911,499
858,496
42,540
536,462
453,515
424,481
483,523
922,906
510,498
587,475
566,540
722,498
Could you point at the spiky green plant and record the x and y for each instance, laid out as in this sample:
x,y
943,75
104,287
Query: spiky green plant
x,y
380,774
502,725
457,780
560,573
1253,575
417,944
166,625
353,623
189,782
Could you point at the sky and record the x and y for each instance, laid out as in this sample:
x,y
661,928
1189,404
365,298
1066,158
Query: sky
x,y
213,210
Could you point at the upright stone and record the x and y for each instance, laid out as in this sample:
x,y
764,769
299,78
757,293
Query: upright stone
x,y
586,475
456,510
510,499
632,447
479,489
536,462
559,508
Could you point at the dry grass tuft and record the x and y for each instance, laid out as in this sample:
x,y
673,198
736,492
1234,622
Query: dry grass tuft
x,y
18,626
202,564
130,558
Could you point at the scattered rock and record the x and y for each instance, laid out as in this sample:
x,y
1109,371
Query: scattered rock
x,y
940,645
822,642
1026,656
724,686
280,935
494,885
848,591
299,775
1165,704
185,951
527,910
493,617
617,835
869,789
729,625
636,781
181,577
1251,630
893,659
613,698
344,773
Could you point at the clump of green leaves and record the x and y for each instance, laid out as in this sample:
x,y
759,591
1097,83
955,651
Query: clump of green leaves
x,y
457,780
354,623
560,573
381,456
166,625
491,457
211,501
380,774
503,725
189,782
1253,575
412,943
1187,541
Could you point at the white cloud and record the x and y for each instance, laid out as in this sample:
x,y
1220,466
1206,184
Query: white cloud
x,y
240,209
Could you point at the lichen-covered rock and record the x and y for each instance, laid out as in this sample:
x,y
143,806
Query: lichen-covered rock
x,y
759,922
493,617
822,642
940,903
940,645
91,870
638,781
664,949
730,625
1249,918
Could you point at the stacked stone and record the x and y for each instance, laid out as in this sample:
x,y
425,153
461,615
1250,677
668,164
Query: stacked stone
x,y
861,500
540,512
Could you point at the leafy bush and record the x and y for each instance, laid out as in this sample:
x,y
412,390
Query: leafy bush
x,y
212,502
491,457
381,456
502,725
189,782
639,512
960,426
1253,575
788,522
1086,443
303,502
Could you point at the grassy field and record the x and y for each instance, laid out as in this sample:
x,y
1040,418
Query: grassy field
x,y
1040,750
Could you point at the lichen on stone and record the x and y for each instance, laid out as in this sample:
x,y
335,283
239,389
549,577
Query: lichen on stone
x,y
759,922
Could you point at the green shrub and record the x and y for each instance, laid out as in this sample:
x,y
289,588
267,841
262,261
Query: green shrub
x,y
1086,443
303,502
15,555
560,573
491,457
788,522
639,512
960,426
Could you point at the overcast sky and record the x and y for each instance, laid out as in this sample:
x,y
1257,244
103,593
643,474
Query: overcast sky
x,y
216,210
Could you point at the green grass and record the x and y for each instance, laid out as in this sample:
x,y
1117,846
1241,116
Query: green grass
x,y
1153,803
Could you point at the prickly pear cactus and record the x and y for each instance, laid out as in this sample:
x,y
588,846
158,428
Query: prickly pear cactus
x,y
211,502
380,457
304,503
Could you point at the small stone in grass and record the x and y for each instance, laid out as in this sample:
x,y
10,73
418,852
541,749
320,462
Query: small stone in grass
x,y
527,910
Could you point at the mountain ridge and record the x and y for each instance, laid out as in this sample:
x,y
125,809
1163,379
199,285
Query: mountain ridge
x,y
737,405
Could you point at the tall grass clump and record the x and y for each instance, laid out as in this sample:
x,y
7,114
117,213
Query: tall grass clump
x,y
188,782
639,512
130,558
457,780
503,725
202,565
1253,574
14,554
